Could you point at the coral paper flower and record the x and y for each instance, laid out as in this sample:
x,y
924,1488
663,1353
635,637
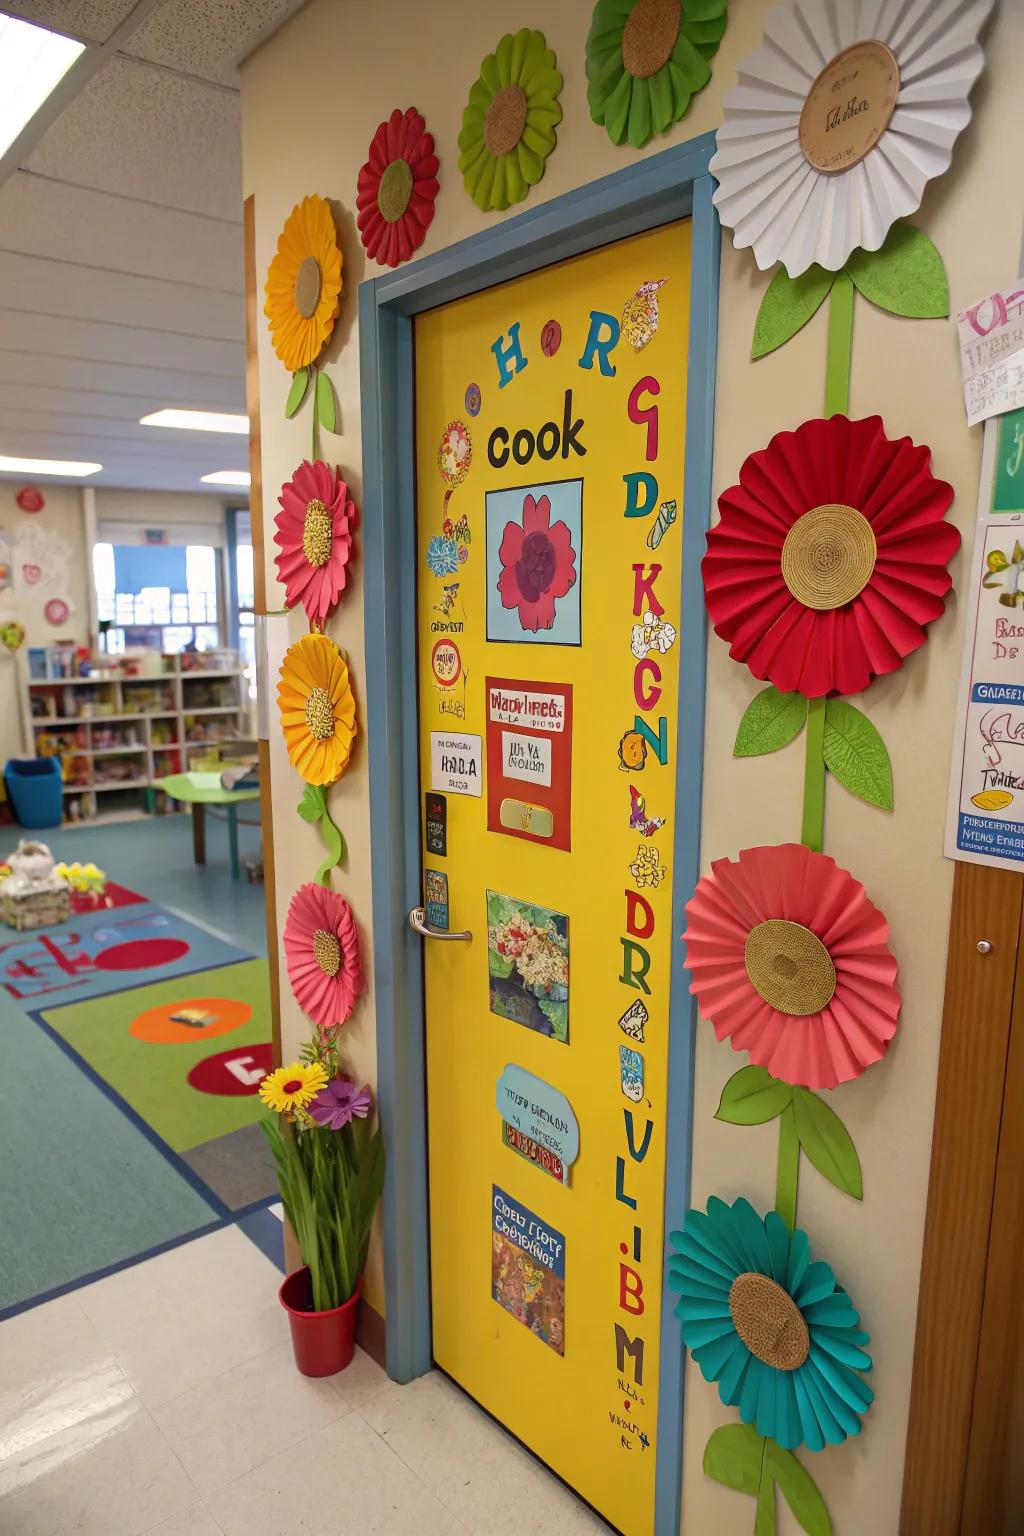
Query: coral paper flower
x,y
646,60
508,125
304,284
339,1103
314,533
830,556
397,188
537,561
318,712
292,1087
790,961
777,1332
321,946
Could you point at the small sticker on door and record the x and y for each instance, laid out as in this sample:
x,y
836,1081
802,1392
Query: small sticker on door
x,y
436,822
456,763
435,897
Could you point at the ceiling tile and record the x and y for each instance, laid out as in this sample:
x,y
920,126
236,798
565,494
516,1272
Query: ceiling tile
x,y
205,37
53,337
94,20
148,134
85,293
173,387
59,401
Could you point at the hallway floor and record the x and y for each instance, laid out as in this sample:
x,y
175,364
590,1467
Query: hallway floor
x,y
163,1399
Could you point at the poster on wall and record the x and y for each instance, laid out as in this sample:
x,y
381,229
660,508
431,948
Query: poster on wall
x,y
985,811
528,1269
529,760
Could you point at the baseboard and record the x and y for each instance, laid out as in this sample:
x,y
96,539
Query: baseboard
x,y
370,1334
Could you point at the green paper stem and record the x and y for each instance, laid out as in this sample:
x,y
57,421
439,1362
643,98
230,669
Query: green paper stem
x,y
764,1518
316,417
840,346
812,834
335,846
787,1181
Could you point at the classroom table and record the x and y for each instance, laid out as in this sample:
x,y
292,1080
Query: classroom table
x,y
200,790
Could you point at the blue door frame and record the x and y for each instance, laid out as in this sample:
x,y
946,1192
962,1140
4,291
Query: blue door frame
x,y
649,193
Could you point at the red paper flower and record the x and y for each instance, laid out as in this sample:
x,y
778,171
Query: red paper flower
x,y
830,556
537,562
321,947
397,187
790,961
314,532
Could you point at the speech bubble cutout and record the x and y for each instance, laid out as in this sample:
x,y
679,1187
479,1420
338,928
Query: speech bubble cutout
x,y
540,1112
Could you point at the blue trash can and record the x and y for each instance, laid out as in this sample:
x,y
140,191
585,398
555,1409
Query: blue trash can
x,y
34,788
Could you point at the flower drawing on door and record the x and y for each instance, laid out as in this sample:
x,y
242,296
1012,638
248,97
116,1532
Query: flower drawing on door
x,y
533,563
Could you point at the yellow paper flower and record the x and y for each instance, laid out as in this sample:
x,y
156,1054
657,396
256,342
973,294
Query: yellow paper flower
x,y
318,712
304,284
292,1087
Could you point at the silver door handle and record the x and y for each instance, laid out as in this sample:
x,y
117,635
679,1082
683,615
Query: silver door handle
x,y
418,923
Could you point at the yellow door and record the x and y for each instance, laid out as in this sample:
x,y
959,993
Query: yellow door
x,y
549,443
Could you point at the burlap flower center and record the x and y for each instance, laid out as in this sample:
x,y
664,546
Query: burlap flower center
x,y
327,951
320,714
505,120
769,1321
789,967
317,533
308,282
649,36
395,191
829,556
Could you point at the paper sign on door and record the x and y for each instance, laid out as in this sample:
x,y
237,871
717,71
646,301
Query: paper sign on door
x,y
529,760
455,763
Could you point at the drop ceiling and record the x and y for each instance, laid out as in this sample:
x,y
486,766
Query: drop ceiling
x,y
121,276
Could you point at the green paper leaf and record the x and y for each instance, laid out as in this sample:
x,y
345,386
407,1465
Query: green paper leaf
x,y
906,276
297,393
856,755
733,1457
788,304
827,1143
798,1489
771,720
325,407
313,805
753,1097
334,843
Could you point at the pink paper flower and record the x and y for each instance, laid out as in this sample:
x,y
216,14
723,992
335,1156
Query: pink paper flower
x,y
314,533
321,948
790,961
537,565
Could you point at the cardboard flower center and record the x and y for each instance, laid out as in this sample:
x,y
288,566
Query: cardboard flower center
x,y
789,967
649,36
317,533
307,287
829,556
849,106
320,715
505,120
395,190
769,1321
327,951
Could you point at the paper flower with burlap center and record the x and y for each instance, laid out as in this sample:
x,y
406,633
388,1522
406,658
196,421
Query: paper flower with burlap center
x,y
830,556
790,961
303,292
839,122
318,711
508,125
314,534
397,188
778,1334
646,60
321,946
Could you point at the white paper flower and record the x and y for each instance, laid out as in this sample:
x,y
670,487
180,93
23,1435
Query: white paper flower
x,y
805,181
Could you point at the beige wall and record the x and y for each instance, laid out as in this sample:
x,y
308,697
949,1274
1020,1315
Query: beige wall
x,y
311,100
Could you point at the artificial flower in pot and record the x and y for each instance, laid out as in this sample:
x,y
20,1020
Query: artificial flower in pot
x,y
330,1166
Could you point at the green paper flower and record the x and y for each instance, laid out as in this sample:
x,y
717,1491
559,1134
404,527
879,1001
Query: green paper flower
x,y
646,59
508,125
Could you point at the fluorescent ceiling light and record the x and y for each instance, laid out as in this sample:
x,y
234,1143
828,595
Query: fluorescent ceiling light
x,y
32,63
47,467
227,477
196,421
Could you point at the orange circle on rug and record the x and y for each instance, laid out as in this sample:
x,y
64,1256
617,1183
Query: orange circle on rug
x,y
190,1020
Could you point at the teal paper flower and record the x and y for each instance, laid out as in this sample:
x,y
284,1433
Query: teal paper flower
x,y
646,60
776,1332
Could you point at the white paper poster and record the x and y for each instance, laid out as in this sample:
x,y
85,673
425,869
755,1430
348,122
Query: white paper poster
x,y
456,763
991,335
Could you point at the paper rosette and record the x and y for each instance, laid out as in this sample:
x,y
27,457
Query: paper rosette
x,y
303,290
790,961
318,711
321,946
397,188
314,534
509,121
830,556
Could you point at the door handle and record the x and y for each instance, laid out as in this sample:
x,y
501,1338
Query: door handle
x,y
418,923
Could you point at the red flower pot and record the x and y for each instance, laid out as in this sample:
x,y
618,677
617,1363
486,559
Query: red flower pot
x,y
323,1342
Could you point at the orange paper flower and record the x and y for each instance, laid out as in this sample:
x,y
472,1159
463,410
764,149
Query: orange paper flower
x,y
304,284
318,712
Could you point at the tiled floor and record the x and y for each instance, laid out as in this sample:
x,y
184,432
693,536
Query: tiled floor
x,y
164,1399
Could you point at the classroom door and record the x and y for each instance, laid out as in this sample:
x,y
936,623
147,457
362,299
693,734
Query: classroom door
x,y
549,453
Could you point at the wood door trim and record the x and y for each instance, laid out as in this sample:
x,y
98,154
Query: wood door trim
x,y
979,1000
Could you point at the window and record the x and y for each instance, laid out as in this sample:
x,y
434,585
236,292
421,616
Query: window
x,y
163,596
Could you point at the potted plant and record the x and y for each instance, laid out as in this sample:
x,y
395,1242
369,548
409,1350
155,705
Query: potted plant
x,y
330,1167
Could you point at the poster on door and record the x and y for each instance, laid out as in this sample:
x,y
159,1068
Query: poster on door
x,y
529,760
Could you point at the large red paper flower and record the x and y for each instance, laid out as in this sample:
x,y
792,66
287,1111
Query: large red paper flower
x,y
830,556
397,187
537,564
790,961
314,532
321,947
